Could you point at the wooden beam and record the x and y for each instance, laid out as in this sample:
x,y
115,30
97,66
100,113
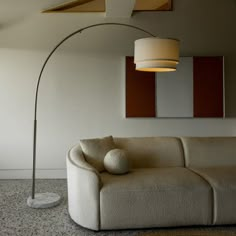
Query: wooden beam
x,y
119,8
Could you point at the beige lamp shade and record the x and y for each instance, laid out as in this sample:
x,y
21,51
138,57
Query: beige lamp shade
x,y
156,54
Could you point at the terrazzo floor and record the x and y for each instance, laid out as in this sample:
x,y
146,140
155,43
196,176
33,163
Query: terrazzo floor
x,y
17,219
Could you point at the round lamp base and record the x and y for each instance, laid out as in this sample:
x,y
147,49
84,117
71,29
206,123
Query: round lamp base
x,y
44,200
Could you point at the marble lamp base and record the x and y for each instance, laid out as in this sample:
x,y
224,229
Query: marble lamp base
x,y
44,200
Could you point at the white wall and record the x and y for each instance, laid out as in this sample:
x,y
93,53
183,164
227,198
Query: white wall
x,y
174,91
82,91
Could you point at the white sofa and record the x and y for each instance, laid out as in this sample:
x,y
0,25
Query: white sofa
x,y
173,182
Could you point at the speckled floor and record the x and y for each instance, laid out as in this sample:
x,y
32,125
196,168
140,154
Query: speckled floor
x,y
17,219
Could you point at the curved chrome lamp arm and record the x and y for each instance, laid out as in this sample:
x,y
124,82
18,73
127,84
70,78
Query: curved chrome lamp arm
x,y
39,79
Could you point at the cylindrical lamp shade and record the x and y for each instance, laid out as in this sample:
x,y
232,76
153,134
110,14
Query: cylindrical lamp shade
x,y
156,54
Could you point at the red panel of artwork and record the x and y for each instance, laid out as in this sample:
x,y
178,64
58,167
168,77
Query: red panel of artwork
x,y
208,86
140,91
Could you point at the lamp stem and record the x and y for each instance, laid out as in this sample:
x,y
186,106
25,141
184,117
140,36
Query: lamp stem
x,y
34,159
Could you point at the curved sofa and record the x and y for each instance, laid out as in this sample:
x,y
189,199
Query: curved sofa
x,y
173,182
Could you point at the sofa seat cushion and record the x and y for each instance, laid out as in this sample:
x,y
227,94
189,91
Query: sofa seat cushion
x,y
152,197
223,182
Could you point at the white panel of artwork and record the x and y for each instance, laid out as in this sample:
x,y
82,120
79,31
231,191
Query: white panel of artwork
x,y
174,91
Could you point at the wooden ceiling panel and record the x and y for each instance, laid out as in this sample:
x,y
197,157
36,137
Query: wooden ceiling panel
x,y
100,6
79,6
91,6
153,5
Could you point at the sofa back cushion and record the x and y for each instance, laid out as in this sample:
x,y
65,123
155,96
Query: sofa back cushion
x,y
149,152
95,149
208,152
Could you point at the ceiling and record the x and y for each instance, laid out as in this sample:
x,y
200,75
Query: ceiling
x,y
13,10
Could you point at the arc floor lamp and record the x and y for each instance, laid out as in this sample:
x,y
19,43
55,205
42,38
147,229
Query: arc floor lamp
x,y
150,54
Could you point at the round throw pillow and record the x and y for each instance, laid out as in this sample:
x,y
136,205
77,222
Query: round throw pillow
x,y
116,162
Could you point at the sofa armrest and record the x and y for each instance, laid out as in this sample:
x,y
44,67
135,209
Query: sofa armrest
x,y
84,185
